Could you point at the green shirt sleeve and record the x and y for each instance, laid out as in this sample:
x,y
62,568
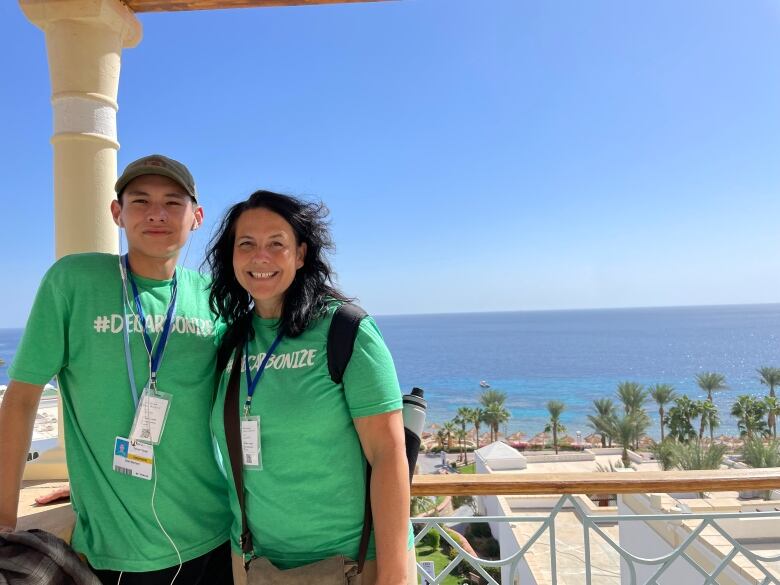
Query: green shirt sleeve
x,y
42,352
370,382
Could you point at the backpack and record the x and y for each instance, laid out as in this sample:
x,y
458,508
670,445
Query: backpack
x,y
341,339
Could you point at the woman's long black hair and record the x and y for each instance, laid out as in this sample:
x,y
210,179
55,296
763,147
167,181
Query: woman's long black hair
x,y
306,298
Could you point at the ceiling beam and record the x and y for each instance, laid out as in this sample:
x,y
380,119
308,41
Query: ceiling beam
x,y
181,5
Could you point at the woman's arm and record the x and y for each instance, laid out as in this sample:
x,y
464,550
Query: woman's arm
x,y
382,438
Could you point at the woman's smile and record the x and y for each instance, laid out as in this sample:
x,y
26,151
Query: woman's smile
x,y
266,257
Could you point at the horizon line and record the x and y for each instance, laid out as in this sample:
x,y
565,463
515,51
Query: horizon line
x,y
549,310
578,309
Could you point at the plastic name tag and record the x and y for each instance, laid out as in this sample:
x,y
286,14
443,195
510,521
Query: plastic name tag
x,y
150,417
134,460
250,443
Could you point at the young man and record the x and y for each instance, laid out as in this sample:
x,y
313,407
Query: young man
x,y
151,504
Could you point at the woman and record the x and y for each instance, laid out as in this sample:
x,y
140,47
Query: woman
x,y
304,489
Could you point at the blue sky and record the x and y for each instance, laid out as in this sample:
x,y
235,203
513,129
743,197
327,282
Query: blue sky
x,y
476,155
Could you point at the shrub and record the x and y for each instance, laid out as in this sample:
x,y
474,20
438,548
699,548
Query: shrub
x,y
432,539
695,456
479,530
494,572
758,454
665,453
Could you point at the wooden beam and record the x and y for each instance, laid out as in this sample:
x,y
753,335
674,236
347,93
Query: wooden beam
x,y
182,5
595,483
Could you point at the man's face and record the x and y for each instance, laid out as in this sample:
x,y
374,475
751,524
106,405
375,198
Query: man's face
x,y
158,216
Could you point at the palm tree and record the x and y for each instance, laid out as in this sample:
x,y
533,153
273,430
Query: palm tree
x,y
461,418
601,422
463,415
769,377
449,429
663,394
711,382
555,408
493,402
632,395
487,418
477,417
708,414
750,413
441,437
460,434
492,396
624,429
495,415
698,407
773,411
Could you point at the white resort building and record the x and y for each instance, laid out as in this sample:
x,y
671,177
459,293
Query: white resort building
x,y
575,519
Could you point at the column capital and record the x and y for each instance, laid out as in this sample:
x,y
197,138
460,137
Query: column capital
x,y
109,13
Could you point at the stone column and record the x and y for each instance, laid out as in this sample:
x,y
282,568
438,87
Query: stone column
x,y
84,42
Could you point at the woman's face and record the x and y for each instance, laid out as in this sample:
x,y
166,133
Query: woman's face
x,y
266,258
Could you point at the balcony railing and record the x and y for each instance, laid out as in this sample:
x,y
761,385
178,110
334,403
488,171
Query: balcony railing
x,y
679,543
723,547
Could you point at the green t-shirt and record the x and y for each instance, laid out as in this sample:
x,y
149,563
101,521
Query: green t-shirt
x,y
307,503
75,333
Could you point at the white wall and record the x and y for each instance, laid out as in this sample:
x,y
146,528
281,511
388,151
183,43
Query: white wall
x,y
642,540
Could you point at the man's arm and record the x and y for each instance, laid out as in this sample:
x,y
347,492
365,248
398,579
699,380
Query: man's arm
x,y
17,417
382,438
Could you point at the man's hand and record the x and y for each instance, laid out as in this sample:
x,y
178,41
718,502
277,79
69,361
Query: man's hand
x,y
57,494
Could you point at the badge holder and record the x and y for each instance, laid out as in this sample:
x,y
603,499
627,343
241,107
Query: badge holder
x,y
251,452
135,460
150,416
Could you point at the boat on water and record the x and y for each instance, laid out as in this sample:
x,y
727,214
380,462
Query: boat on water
x,y
483,384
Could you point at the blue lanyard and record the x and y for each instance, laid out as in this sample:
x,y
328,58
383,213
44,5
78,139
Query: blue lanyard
x,y
155,353
251,382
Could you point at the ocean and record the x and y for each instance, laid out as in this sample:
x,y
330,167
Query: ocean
x,y
581,355
573,356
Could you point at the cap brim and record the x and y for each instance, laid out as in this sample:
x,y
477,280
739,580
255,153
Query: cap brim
x,y
123,181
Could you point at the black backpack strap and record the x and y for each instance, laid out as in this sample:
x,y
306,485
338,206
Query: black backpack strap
x,y
233,440
341,339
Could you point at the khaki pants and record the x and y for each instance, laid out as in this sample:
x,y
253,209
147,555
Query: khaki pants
x,y
369,571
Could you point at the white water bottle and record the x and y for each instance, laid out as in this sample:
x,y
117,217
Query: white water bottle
x,y
414,411
414,421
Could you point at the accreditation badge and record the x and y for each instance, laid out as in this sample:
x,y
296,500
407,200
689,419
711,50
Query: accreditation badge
x,y
251,453
133,460
150,417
